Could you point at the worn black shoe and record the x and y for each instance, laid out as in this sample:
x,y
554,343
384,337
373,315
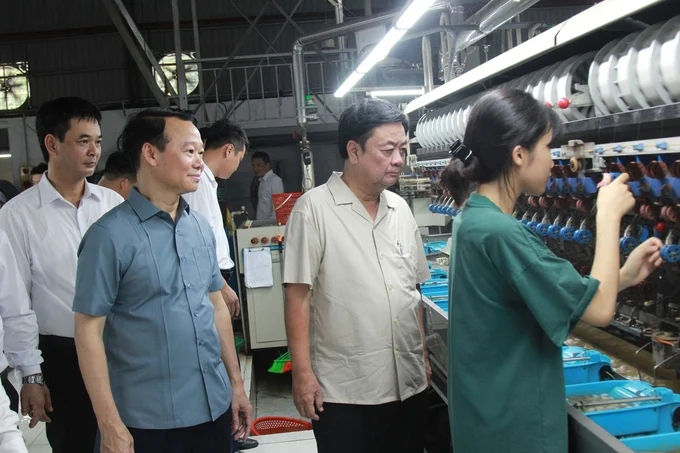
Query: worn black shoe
x,y
247,444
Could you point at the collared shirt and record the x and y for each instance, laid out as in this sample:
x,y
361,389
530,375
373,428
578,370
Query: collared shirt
x,y
204,201
45,231
18,326
151,278
365,342
270,184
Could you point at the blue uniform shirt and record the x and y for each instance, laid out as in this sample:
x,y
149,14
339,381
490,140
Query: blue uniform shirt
x,y
151,277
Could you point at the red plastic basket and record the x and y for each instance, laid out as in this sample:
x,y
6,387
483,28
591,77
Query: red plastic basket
x,y
283,204
277,425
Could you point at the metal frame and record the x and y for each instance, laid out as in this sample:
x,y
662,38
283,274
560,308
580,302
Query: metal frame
x,y
183,102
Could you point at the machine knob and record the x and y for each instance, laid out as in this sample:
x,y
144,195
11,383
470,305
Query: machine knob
x,y
542,229
431,207
254,241
583,237
628,244
532,225
277,239
671,253
567,233
548,104
554,231
563,103
265,240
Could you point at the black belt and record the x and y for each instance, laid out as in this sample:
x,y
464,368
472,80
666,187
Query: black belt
x,y
226,274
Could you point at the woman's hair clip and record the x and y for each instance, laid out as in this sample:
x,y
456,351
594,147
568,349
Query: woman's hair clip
x,y
460,151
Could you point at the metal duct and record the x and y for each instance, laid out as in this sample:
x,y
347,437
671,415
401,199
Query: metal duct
x,y
489,18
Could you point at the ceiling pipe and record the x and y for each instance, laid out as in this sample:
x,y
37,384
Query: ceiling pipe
x,y
489,18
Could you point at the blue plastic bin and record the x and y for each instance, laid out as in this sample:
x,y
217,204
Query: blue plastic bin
x,y
583,365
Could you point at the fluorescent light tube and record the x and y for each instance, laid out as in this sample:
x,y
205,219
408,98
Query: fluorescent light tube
x,y
409,16
5,156
401,92
414,12
593,18
347,85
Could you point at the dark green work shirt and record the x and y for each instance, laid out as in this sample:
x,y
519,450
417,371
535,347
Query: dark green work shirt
x,y
512,304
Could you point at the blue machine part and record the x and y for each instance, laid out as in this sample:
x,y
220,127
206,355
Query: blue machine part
x,y
567,233
627,419
671,188
554,231
670,253
635,187
583,365
628,244
583,236
651,186
542,229
432,248
657,443
532,225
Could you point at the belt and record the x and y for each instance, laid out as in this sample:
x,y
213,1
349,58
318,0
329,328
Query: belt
x,y
227,273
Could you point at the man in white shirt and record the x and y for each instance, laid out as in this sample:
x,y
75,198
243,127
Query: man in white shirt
x,y
45,225
225,145
270,184
19,340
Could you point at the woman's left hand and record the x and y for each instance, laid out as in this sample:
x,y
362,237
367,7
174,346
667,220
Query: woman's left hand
x,y
641,263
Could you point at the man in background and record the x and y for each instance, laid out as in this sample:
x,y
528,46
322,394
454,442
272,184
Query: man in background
x,y
37,173
45,225
119,174
269,184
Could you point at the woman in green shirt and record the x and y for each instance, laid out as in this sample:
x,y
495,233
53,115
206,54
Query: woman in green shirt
x,y
512,301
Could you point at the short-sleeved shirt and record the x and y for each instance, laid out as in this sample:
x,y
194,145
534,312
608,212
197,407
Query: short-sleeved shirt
x,y
512,305
151,277
204,202
365,343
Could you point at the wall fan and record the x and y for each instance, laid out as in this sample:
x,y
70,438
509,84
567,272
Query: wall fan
x,y
14,90
169,66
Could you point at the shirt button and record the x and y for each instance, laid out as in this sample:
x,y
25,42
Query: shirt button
x,y
195,314
181,258
177,230
204,371
200,342
396,322
189,285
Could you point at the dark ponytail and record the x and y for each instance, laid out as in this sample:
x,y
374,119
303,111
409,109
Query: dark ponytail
x,y
499,121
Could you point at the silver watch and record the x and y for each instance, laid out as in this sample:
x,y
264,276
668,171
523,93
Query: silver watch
x,y
33,379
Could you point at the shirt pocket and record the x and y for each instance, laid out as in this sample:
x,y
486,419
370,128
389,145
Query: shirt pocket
x,y
204,264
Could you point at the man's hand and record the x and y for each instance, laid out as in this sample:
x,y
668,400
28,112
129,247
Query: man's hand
x,y
307,395
242,412
36,402
116,439
231,299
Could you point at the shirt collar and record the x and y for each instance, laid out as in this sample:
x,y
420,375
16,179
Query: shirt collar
x,y
209,174
344,195
267,175
48,193
145,209
480,201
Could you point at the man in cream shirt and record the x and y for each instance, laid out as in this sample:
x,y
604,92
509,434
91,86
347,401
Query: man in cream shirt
x,y
353,262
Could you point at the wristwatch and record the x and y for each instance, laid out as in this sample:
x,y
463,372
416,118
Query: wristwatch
x,y
33,379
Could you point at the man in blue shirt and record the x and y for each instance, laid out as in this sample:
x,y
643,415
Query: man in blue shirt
x,y
154,336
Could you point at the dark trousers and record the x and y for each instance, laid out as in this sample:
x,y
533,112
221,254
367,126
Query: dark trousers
x,y
211,437
10,390
397,427
74,427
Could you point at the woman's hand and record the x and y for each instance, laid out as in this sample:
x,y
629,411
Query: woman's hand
x,y
641,263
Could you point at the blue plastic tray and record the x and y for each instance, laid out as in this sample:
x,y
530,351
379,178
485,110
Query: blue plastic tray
x,y
649,417
586,368
656,443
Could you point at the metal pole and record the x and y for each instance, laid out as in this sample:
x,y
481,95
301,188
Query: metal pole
x,y
231,57
136,54
197,52
428,70
147,50
179,61
367,8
